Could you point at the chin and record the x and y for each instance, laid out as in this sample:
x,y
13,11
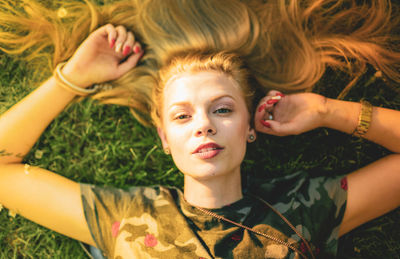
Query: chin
x,y
203,172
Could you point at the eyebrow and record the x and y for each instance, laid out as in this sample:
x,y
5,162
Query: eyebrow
x,y
214,99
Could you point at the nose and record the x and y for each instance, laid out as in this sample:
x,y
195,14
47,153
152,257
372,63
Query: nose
x,y
205,126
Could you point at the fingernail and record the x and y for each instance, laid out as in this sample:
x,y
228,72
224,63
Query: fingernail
x,y
136,49
266,124
272,101
112,43
280,94
262,107
127,49
118,47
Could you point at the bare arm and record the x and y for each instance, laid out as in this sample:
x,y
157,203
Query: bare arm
x,y
22,124
384,129
372,190
298,113
37,194
377,184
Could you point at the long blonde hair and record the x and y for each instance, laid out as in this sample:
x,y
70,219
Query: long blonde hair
x,y
285,45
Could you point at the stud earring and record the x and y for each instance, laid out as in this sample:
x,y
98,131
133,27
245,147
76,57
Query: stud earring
x,y
167,151
251,137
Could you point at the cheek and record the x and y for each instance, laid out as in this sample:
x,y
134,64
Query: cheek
x,y
177,136
242,126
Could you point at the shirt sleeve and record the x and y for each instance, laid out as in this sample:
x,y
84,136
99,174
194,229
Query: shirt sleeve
x,y
324,202
104,208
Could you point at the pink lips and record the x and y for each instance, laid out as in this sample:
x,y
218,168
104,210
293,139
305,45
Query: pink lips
x,y
208,150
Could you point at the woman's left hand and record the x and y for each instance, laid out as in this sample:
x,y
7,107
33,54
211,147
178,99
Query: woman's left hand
x,y
293,114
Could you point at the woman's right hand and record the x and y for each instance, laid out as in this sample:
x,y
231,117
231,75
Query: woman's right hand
x,y
106,54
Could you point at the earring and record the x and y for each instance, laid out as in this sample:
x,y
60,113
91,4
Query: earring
x,y
251,137
167,151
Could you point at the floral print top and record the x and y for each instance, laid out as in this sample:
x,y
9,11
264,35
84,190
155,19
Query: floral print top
x,y
156,222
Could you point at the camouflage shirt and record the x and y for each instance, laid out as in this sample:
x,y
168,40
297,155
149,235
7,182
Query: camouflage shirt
x,y
157,222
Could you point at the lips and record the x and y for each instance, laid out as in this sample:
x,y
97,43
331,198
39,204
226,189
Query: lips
x,y
207,148
207,151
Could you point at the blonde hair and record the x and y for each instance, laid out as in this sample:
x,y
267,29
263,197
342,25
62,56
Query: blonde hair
x,y
305,37
196,61
285,45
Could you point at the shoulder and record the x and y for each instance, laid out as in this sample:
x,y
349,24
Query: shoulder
x,y
114,196
110,211
302,188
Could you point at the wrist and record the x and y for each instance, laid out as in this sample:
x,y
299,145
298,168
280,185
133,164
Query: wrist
x,y
341,115
327,112
72,74
323,111
63,82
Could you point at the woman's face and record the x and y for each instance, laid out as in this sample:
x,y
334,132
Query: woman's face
x,y
205,124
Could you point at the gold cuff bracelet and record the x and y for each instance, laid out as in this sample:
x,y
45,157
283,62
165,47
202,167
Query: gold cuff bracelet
x,y
364,119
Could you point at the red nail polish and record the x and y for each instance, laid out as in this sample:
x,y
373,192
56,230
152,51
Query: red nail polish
x,y
266,124
112,43
280,94
262,107
272,101
136,49
126,51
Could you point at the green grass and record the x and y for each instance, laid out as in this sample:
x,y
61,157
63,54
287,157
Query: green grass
x,y
103,144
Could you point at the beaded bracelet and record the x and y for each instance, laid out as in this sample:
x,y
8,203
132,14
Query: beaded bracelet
x,y
364,119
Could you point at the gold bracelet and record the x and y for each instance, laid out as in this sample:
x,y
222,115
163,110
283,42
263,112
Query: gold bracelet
x,y
364,119
64,83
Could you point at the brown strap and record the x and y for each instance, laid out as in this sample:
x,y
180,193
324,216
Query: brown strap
x,y
212,214
287,222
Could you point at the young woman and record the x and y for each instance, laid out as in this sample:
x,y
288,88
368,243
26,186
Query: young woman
x,y
202,107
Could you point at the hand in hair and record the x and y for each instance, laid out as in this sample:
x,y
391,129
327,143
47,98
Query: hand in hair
x,y
291,114
106,54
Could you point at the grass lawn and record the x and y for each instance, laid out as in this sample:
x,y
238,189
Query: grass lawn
x,y
104,145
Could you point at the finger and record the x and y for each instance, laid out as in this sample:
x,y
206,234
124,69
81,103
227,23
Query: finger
x,y
128,45
110,32
260,112
275,128
263,126
271,127
121,38
130,62
264,112
272,95
275,93
268,102
137,48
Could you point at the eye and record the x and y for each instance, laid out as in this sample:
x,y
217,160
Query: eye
x,y
223,110
181,117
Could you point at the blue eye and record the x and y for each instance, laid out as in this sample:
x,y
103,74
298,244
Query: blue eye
x,y
223,110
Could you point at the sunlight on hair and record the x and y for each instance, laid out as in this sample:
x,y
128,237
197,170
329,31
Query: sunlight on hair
x,y
62,12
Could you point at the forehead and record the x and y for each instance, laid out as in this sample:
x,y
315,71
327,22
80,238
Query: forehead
x,y
204,85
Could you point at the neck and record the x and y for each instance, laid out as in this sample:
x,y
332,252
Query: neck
x,y
213,193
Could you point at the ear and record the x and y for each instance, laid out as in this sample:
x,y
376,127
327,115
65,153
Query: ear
x,y
253,133
162,136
